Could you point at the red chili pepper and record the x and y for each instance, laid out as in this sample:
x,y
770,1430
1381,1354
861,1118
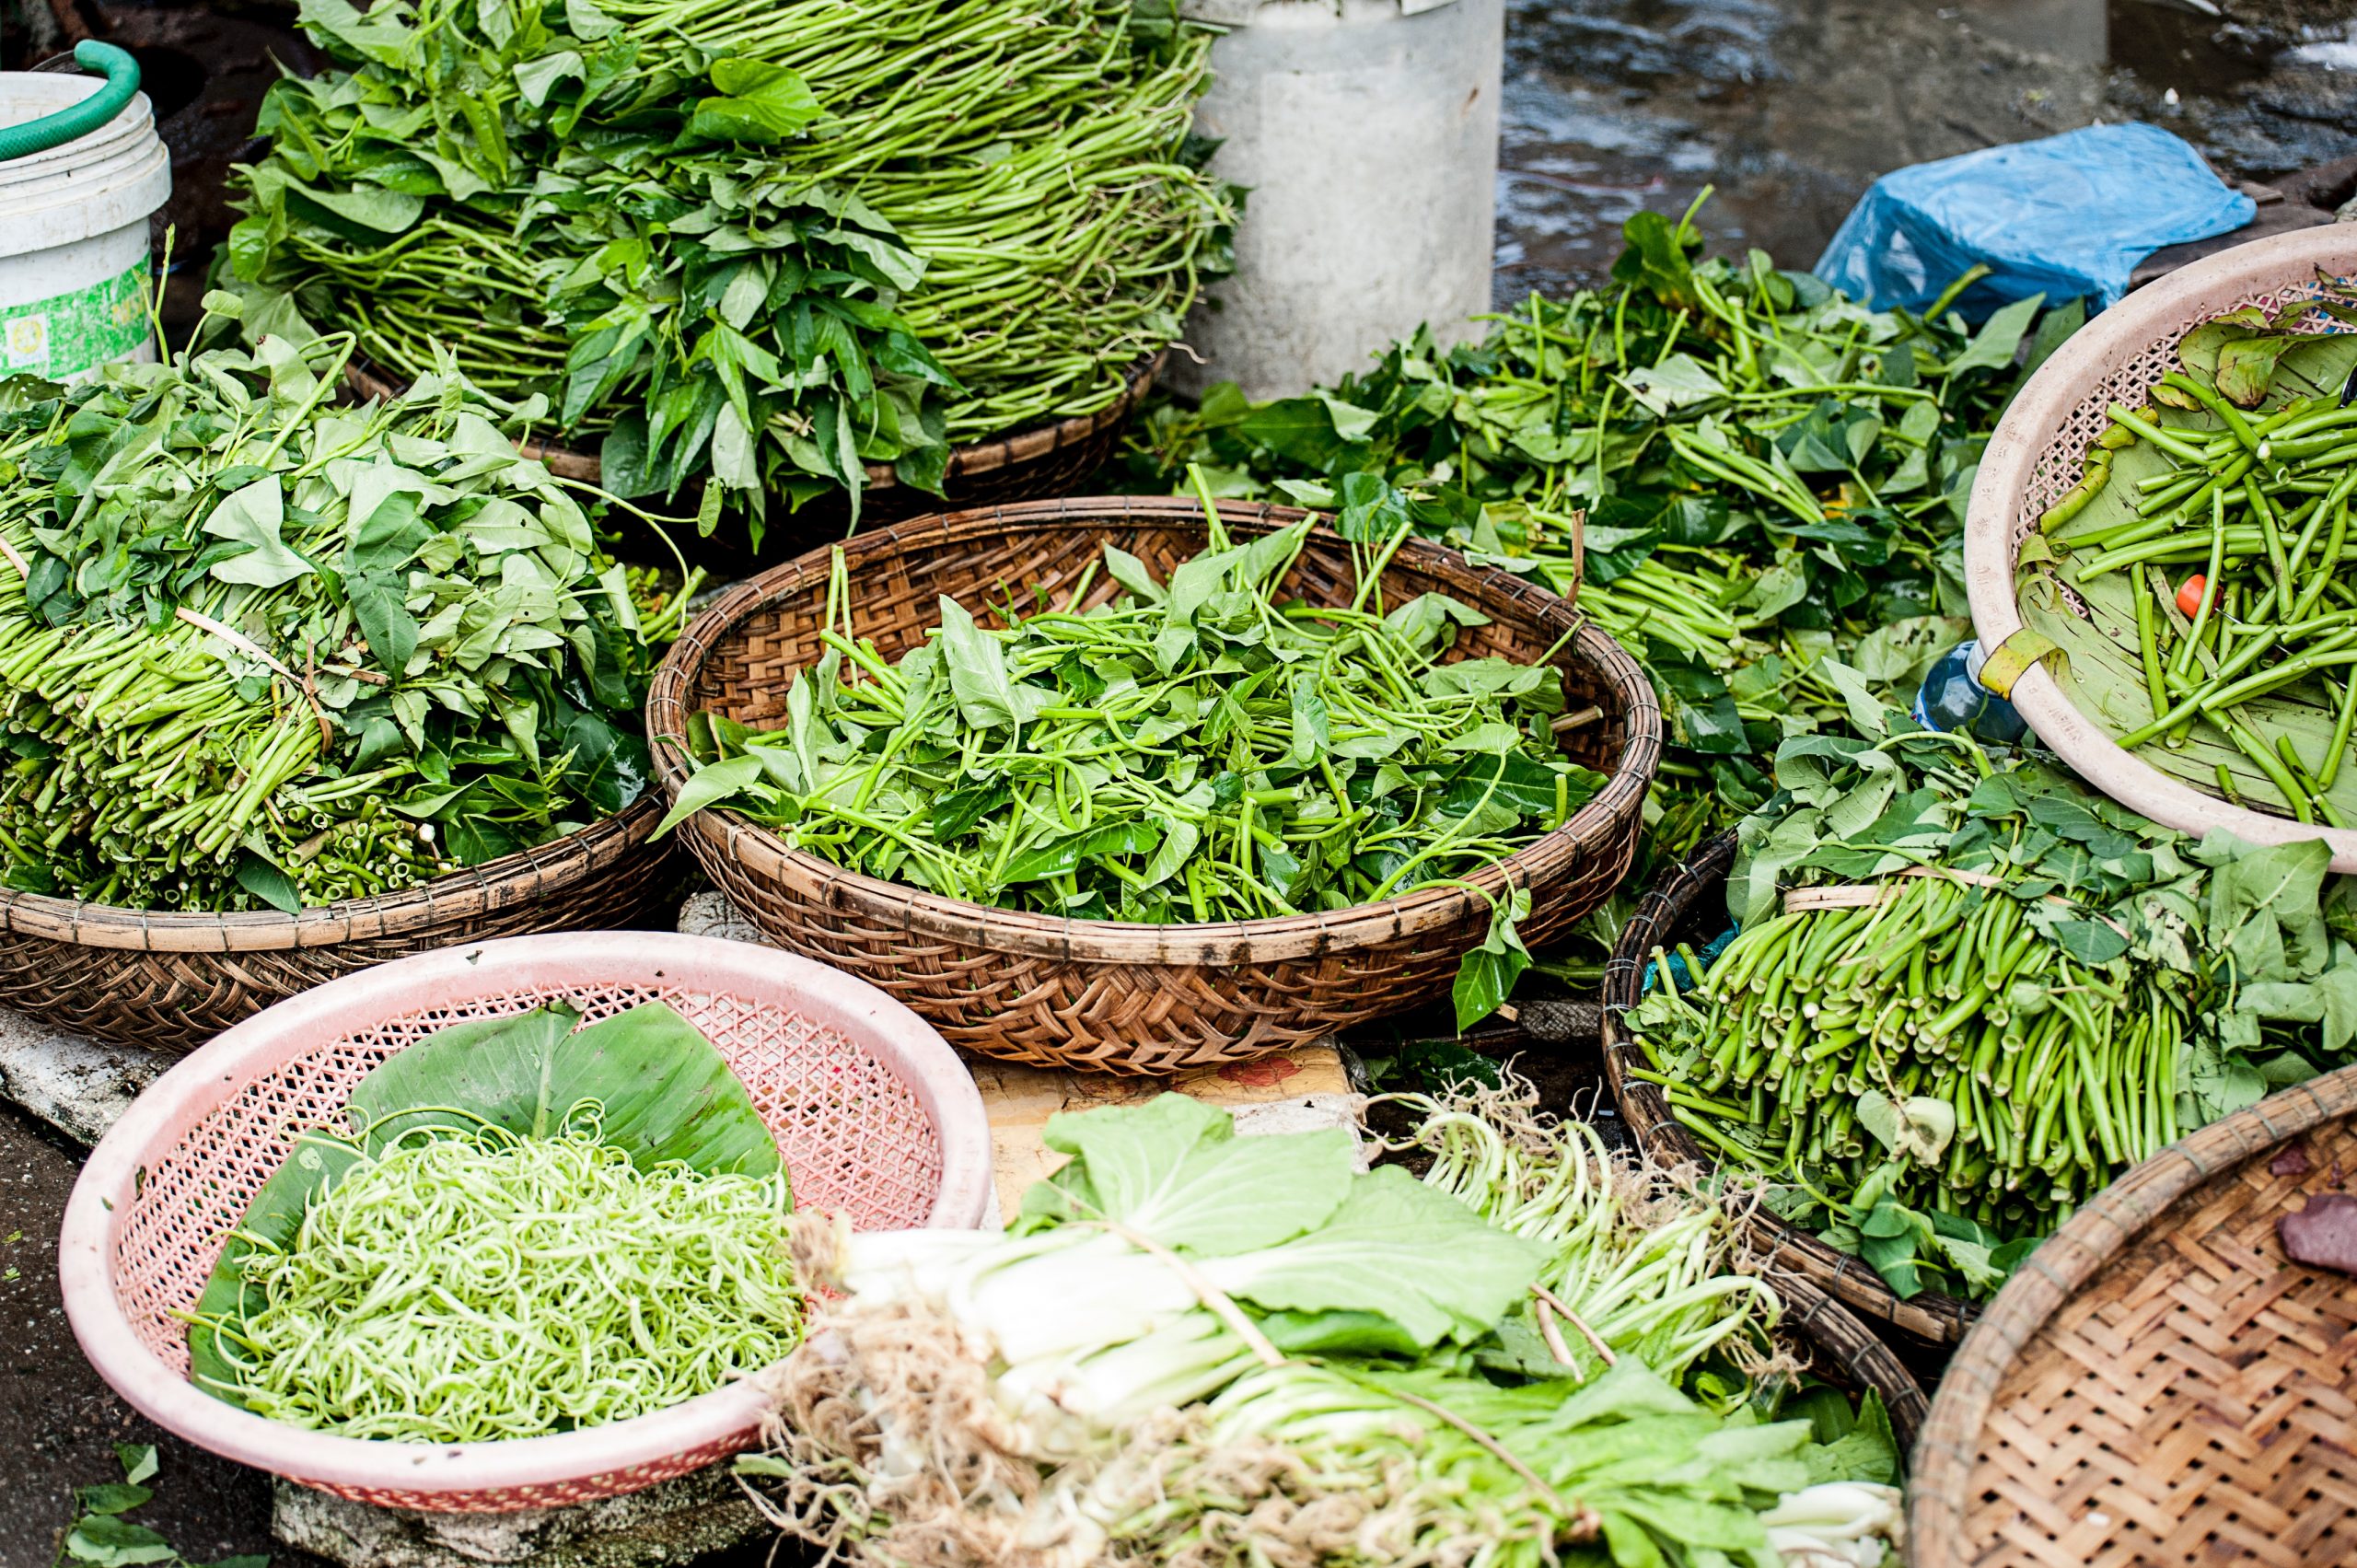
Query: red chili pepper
x,y
2188,595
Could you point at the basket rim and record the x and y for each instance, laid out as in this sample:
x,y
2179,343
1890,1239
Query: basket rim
x,y
2007,467
1215,942
984,454
1949,1451
1813,1314
455,895
197,1086
1931,1315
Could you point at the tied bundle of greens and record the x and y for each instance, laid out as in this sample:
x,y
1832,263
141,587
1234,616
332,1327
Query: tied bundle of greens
x,y
1771,473
1189,751
1200,1349
2201,576
524,1229
257,648
1966,992
773,243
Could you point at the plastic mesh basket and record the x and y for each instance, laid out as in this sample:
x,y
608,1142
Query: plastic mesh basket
x,y
875,1115
2039,451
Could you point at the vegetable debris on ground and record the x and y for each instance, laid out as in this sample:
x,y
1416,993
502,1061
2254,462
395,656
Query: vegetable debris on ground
x,y
104,1536
1966,992
1196,1348
1198,750
1771,473
526,1229
769,242
2209,542
258,648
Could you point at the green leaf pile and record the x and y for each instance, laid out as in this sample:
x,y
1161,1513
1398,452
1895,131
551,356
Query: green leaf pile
x,y
1190,751
1936,1082
768,243
260,648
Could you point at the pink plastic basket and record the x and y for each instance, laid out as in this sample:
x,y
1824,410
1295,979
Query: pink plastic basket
x,y
2039,451
874,1113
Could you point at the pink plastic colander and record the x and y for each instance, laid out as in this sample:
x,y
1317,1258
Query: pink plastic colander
x,y
875,1115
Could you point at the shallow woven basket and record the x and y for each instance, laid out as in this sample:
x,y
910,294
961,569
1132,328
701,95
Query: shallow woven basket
x,y
1044,460
169,980
1689,905
2038,452
1100,994
874,1113
2159,1384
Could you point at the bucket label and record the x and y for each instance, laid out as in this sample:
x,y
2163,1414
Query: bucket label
x,y
69,335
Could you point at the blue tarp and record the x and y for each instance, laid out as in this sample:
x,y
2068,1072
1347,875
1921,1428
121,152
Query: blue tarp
x,y
2068,216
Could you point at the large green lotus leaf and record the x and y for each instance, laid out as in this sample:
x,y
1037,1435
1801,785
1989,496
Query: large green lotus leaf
x,y
667,1095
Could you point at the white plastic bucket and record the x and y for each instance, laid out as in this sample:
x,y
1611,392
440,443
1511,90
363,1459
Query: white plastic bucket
x,y
74,272
1367,132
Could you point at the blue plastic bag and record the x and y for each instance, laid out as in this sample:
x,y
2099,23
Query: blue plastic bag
x,y
2068,216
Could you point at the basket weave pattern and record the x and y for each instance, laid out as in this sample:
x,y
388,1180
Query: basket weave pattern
x,y
1689,905
2160,1385
855,1139
169,980
1101,995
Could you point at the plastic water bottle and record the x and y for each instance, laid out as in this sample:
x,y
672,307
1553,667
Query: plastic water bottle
x,y
1951,698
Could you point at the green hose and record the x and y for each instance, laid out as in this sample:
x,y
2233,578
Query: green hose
x,y
81,119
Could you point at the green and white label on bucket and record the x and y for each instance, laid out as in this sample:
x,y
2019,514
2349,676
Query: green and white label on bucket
x,y
68,334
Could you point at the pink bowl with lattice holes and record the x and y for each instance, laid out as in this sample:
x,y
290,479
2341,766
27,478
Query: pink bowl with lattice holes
x,y
2039,451
876,1116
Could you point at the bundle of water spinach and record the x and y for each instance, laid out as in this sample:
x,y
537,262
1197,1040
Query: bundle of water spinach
x,y
2209,542
259,649
1196,750
771,243
1964,992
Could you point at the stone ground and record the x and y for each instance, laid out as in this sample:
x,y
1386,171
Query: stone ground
x,y
1789,108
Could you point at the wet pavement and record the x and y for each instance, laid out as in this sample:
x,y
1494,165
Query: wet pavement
x,y
1788,107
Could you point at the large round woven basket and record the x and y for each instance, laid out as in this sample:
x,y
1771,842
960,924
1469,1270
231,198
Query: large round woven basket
x,y
2038,452
1100,994
1689,905
1044,460
876,1118
2160,1384
169,980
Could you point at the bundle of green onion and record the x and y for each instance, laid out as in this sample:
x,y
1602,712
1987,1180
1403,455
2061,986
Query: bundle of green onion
x,y
1194,750
773,242
258,648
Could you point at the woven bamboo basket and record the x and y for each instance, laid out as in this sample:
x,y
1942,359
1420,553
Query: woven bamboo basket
x,y
2038,452
2160,1384
1044,460
1111,996
170,981
1845,1352
1689,905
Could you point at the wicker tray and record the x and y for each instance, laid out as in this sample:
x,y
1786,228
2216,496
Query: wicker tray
x,y
1023,465
1102,994
1689,905
1844,1350
170,981
2036,454
876,1118
2159,1384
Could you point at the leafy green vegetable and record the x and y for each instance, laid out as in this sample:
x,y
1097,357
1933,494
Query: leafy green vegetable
x,y
261,650
720,238
1193,750
1936,1077
1771,475
101,1538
